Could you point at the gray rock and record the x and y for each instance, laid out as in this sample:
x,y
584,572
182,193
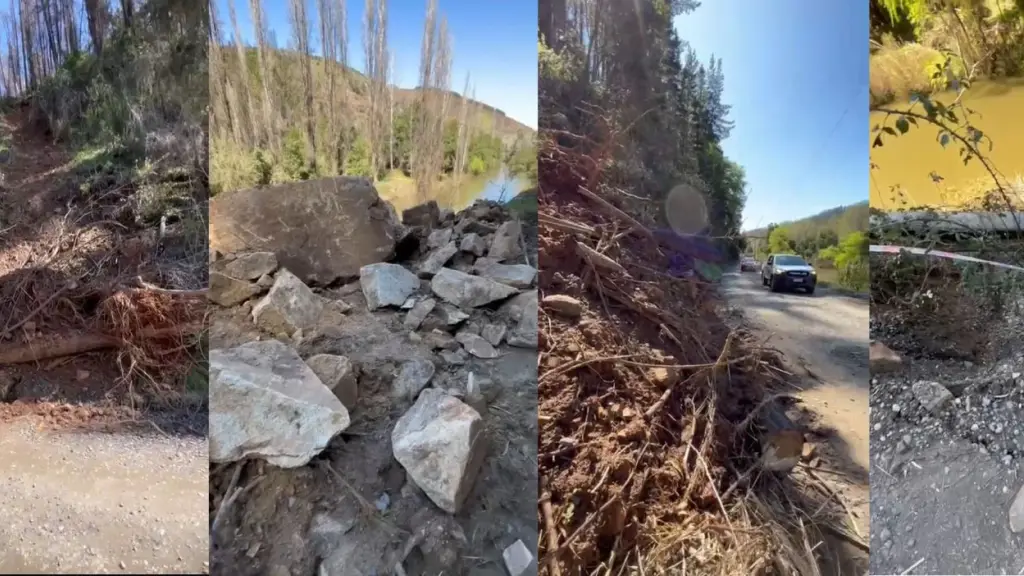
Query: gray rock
x,y
439,238
419,313
386,284
494,333
427,214
932,395
339,375
413,376
522,309
227,291
468,291
265,402
476,345
505,244
436,260
440,443
1017,512
564,305
289,306
515,275
452,315
252,265
473,244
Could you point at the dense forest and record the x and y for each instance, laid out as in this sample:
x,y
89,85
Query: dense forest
x,y
910,37
303,112
833,239
623,73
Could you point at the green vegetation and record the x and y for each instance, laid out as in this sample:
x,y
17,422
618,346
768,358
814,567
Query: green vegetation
x,y
284,115
910,37
834,241
924,56
662,113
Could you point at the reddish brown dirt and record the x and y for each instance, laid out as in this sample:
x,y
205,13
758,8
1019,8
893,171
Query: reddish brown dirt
x,y
616,466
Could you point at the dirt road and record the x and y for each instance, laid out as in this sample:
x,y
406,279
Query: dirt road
x,y
100,503
827,336
824,338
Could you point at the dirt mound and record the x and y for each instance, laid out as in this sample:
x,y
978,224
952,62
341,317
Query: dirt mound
x,y
651,408
100,266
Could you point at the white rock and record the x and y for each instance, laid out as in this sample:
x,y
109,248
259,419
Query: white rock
x,y
289,306
518,559
476,345
505,244
339,375
467,291
387,284
265,402
515,275
440,443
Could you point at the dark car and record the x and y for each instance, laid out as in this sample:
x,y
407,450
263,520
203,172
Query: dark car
x,y
788,272
748,265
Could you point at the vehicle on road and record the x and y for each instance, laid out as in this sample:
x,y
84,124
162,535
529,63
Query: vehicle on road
x,y
788,272
748,265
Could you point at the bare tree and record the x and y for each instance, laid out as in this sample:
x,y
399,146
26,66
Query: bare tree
x,y
300,32
263,59
461,146
251,129
375,48
428,140
328,47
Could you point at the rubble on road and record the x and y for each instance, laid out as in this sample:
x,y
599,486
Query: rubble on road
x,y
408,387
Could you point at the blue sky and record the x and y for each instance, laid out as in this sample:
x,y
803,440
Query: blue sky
x,y
495,41
796,76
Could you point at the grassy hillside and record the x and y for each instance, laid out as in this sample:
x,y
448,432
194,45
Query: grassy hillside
x,y
842,220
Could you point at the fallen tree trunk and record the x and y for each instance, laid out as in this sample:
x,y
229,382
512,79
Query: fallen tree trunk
x,y
47,349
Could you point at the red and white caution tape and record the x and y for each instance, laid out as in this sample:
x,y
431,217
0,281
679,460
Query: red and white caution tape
x,y
886,249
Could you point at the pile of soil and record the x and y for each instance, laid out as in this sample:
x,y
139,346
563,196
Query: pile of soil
x,y
649,408
100,283
354,509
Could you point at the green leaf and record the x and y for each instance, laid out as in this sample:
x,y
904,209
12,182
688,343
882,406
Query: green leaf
x,y
902,125
889,130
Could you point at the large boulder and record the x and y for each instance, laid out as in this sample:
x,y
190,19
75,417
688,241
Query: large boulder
x,y
265,402
321,230
440,443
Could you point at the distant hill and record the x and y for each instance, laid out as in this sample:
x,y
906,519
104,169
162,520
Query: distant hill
x,y
842,220
355,99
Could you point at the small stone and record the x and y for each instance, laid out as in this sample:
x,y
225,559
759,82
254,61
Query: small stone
x,y
476,345
518,559
413,376
932,395
564,305
456,358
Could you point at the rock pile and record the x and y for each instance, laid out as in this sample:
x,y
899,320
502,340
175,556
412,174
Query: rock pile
x,y
412,336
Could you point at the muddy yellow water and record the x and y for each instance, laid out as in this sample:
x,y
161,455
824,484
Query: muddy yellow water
x,y
909,162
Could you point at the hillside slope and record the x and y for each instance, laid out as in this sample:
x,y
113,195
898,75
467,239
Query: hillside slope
x,y
842,220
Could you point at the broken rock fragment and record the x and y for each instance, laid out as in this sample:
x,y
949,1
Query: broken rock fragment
x,y
251,265
522,309
289,306
515,275
227,291
467,291
436,260
505,244
476,345
265,402
440,443
413,376
339,375
932,395
386,284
